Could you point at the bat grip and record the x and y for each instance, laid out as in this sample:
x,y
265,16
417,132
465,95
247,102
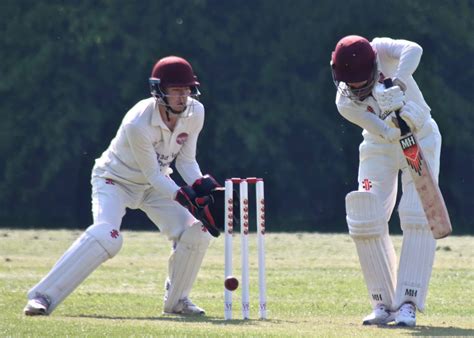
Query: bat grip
x,y
404,128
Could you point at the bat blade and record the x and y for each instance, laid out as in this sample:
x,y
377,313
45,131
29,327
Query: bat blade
x,y
425,184
427,188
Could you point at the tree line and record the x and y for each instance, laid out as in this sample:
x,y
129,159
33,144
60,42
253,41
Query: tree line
x,y
70,70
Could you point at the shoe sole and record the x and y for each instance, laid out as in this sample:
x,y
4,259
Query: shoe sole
x,y
184,314
34,313
402,324
387,321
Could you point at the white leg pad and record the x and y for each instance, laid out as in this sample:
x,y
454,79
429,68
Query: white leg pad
x,y
97,244
184,264
369,230
416,264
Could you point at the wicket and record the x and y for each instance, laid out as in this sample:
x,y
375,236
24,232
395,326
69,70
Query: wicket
x,y
244,232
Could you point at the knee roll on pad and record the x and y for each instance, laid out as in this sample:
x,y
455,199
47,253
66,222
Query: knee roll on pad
x,y
410,209
369,230
195,237
107,236
364,215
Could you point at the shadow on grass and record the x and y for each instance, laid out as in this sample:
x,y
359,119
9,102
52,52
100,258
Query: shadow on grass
x,y
188,319
432,331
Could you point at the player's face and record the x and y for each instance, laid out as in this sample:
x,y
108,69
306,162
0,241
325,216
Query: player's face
x,y
357,85
359,90
178,97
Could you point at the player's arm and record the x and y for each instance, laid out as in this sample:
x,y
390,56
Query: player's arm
x,y
144,153
370,122
407,52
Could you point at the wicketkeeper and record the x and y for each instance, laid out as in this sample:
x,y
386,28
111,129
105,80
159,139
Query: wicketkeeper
x,y
359,68
134,173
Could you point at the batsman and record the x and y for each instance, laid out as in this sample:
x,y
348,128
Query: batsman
x,y
134,172
359,68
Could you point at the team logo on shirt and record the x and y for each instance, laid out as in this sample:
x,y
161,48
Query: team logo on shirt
x,y
181,138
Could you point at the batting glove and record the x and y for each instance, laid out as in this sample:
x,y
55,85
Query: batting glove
x,y
414,115
392,134
389,99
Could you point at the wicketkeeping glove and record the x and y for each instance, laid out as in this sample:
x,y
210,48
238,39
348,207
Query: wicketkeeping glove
x,y
187,197
212,215
205,185
198,207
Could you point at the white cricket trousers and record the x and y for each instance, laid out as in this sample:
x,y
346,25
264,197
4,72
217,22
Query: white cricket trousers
x,y
110,199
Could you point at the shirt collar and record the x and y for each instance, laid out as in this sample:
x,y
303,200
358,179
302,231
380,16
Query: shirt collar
x,y
156,119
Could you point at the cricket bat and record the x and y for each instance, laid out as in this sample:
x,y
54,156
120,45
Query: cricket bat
x,y
425,184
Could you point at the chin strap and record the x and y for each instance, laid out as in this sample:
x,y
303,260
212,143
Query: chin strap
x,y
172,111
169,110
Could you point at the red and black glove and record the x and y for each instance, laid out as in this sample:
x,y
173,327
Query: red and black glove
x,y
207,219
205,185
198,207
187,197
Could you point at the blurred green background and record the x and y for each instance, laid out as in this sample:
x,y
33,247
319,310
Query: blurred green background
x,y
70,70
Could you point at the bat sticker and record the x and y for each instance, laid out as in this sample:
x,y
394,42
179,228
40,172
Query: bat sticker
x,y
412,153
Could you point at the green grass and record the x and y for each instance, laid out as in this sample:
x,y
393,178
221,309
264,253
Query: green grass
x,y
315,288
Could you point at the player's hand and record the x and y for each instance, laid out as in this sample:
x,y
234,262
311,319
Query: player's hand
x,y
205,185
398,82
187,197
389,99
392,134
414,115
208,220
198,207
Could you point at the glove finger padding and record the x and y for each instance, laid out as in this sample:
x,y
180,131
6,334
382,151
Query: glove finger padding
x,y
205,185
198,207
212,216
208,220
414,115
398,82
389,99
392,134
186,196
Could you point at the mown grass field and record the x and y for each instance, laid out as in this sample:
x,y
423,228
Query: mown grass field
x,y
315,288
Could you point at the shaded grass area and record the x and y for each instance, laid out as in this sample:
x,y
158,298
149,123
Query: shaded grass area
x,y
315,288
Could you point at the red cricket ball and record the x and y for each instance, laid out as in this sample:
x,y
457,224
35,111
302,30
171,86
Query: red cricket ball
x,y
231,283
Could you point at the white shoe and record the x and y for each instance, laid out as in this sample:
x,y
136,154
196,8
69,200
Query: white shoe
x,y
406,315
37,306
186,307
381,315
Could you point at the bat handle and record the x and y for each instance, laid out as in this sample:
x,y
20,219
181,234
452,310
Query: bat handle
x,y
404,128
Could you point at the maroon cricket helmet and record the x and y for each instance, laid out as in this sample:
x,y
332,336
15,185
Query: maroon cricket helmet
x,y
172,71
353,60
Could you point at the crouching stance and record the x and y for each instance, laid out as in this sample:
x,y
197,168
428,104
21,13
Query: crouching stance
x,y
359,67
134,173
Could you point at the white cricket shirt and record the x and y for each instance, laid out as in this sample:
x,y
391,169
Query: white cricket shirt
x,y
144,147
